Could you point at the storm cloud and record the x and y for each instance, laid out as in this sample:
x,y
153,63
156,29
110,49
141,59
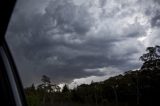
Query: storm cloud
x,y
64,38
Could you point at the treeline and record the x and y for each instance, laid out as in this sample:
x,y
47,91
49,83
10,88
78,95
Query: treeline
x,y
133,88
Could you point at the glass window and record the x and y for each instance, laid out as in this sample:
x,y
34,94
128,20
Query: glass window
x,y
87,52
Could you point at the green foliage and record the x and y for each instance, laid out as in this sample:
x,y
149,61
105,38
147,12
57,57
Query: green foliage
x,y
31,96
65,89
133,88
152,54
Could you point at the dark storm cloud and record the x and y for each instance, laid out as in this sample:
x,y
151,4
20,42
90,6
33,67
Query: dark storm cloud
x,y
68,17
153,12
157,1
36,42
156,20
61,39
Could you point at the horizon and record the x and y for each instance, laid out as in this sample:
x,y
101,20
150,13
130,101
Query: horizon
x,y
81,40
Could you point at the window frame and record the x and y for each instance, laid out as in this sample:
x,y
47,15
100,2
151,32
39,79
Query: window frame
x,y
11,81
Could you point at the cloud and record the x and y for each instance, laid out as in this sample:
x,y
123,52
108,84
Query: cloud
x,y
157,1
109,72
156,20
63,38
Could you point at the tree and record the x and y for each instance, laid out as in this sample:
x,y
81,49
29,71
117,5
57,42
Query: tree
x,y
152,54
65,89
32,88
45,79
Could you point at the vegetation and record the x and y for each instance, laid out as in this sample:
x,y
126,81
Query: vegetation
x,y
133,88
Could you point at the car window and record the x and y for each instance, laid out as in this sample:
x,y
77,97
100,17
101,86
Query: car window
x,y
87,52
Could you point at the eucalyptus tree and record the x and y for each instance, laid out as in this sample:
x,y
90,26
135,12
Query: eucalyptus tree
x,y
153,53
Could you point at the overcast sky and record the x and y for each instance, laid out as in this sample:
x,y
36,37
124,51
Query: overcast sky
x,y
77,41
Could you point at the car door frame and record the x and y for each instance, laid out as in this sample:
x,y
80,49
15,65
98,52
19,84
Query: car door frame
x,y
10,77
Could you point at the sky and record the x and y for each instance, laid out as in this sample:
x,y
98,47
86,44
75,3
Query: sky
x,y
77,41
